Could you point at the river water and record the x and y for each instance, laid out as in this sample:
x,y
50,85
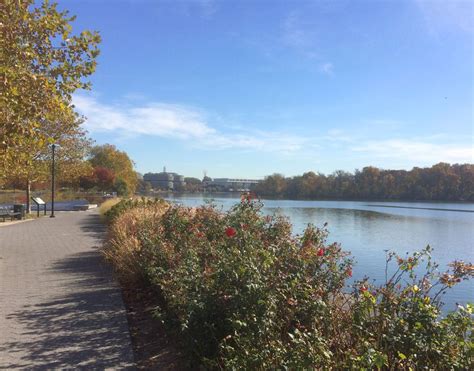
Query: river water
x,y
368,229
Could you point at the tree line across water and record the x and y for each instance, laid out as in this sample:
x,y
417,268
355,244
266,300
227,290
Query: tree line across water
x,y
441,182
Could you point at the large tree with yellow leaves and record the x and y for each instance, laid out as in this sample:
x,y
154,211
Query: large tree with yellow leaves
x,y
42,63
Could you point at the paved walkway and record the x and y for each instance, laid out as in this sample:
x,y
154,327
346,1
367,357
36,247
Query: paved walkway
x,y
59,306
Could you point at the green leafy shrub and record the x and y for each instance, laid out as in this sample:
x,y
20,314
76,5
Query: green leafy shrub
x,y
399,321
242,292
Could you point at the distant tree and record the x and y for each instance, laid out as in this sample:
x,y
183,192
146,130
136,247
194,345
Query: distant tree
x,y
121,187
87,181
466,186
444,181
367,182
105,177
192,184
108,156
309,183
440,182
191,180
101,178
143,186
273,185
340,185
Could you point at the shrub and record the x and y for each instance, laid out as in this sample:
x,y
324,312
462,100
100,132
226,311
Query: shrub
x,y
398,324
107,205
243,292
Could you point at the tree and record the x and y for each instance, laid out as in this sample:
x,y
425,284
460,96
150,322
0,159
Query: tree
x,y
274,185
466,188
341,184
121,187
101,178
72,147
41,64
143,187
109,157
192,184
440,182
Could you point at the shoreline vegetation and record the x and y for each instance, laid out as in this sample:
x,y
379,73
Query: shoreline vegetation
x,y
441,182
110,170
237,289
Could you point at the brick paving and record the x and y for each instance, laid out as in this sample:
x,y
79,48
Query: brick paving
x,y
59,305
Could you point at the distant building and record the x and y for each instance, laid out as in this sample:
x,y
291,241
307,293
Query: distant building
x,y
165,180
231,184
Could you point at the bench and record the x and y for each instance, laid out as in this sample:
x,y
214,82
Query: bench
x,y
6,213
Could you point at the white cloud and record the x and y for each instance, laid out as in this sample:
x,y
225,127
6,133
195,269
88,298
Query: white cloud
x,y
337,136
326,68
179,122
165,120
258,140
400,151
415,151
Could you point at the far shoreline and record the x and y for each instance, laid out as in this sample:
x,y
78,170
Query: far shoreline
x,y
238,194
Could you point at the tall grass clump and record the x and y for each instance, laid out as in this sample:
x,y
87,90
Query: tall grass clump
x,y
242,292
107,205
128,220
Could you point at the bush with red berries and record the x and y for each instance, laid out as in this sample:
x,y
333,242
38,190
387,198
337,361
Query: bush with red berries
x,y
243,292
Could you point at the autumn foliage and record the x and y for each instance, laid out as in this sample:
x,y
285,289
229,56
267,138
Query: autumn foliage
x,y
101,177
43,62
440,182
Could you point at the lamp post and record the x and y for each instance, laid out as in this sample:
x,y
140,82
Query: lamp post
x,y
53,168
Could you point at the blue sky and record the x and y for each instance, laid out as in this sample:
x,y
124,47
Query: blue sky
x,y
249,88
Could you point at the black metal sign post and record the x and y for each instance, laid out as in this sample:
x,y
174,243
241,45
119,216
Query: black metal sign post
x,y
38,201
52,183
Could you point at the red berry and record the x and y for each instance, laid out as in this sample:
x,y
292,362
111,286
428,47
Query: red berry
x,y
230,232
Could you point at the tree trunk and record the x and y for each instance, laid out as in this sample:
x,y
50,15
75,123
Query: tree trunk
x,y
28,190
